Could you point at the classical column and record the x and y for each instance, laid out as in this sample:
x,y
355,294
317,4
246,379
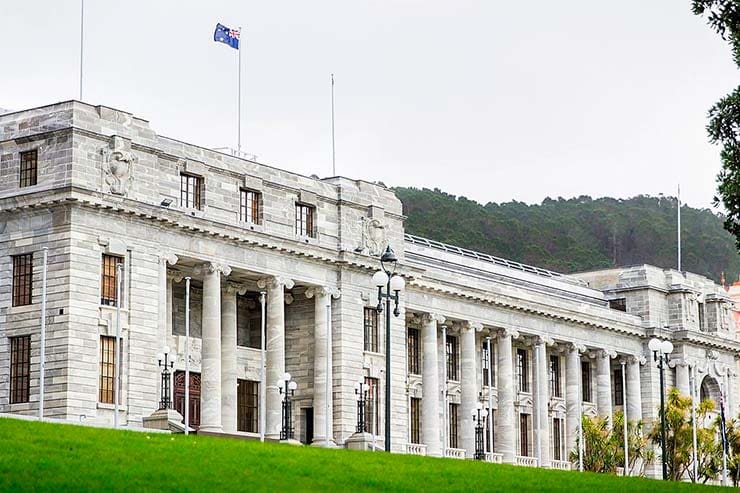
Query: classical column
x,y
275,327
469,385
634,390
322,421
430,425
165,292
603,383
542,400
682,378
506,426
210,374
228,355
572,395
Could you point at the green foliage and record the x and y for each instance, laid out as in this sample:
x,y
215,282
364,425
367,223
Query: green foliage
x,y
603,449
723,17
56,458
577,234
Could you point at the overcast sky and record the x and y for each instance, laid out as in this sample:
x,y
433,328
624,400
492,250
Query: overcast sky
x,y
492,100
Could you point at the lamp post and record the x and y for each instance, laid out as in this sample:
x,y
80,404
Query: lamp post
x,y
361,392
164,362
287,387
394,284
479,418
661,350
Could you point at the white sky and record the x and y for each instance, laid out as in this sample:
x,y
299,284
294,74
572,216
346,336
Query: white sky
x,y
488,99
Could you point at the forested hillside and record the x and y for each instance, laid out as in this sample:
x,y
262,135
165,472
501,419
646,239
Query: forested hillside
x,y
577,234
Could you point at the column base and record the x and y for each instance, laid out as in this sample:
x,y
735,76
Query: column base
x,y
363,441
321,442
291,441
211,429
162,419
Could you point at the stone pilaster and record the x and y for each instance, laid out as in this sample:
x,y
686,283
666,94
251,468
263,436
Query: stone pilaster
x,y
542,400
603,383
275,343
634,389
573,395
505,436
228,356
682,378
469,385
210,397
321,420
430,424
165,297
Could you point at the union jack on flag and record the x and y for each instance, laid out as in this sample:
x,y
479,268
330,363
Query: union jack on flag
x,y
227,36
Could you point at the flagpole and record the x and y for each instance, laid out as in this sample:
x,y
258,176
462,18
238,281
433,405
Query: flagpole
x,y
679,227
186,405
82,35
239,97
333,153
42,351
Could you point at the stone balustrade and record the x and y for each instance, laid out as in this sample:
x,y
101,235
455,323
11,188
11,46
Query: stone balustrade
x,y
526,461
562,465
494,457
455,453
416,449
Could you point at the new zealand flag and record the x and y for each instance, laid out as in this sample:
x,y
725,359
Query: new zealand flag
x,y
228,36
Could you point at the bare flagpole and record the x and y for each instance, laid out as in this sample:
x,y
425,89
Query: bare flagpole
x,y
263,370
679,227
187,356
239,98
333,153
82,37
119,343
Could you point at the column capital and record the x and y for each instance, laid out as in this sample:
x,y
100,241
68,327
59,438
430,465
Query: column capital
x,y
544,340
575,347
167,258
275,282
175,276
234,288
318,291
212,268
429,318
508,332
602,353
470,326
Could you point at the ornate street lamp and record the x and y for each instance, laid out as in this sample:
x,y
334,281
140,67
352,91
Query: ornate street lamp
x,y
661,350
361,392
287,389
166,365
479,418
394,284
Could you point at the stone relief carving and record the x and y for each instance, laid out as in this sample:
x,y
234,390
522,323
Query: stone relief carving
x,y
724,316
118,166
692,307
373,238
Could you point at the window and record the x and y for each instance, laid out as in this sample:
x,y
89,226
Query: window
x,y
522,370
618,304
109,280
557,439
415,420
371,329
555,388
618,388
524,435
20,368
249,206
451,348
22,279
372,416
701,316
414,353
107,370
247,397
29,168
586,381
486,364
190,191
305,220
453,410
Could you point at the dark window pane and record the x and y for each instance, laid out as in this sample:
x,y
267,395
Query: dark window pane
x,y
22,279
415,420
248,406
107,370
451,350
20,368
109,280
371,329
414,359
29,168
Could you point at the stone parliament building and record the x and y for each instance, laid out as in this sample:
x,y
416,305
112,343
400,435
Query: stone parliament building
x,y
98,187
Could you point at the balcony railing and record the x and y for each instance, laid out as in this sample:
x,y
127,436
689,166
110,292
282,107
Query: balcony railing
x,y
455,453
416,449
526,461
563,465
494,457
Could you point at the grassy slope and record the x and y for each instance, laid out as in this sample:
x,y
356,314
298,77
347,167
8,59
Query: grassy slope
x,y
46,457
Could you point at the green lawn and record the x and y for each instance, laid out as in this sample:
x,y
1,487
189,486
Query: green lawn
x,y
47,457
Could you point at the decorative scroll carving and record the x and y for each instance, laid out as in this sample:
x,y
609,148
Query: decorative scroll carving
x,y
212,267
428,318
275,282
322,291
168,258
234,288
118,166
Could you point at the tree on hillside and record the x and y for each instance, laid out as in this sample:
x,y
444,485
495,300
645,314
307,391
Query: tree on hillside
x,y
723,17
